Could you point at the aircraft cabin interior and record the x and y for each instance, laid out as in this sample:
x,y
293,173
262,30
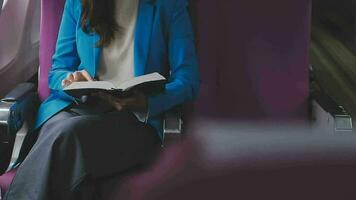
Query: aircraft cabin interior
x,y
233,99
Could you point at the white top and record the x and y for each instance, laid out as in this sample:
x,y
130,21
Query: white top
x,y
117,59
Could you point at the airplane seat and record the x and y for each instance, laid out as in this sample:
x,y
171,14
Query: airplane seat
x,y
19,42
253,61
51,17
26,96
17,108
18,63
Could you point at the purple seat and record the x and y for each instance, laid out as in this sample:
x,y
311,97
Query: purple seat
x,y
5,180
51,12
253,58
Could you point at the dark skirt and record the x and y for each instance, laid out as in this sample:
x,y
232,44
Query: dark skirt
x,y
79,147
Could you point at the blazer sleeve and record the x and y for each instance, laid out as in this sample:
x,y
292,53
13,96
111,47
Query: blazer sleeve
x,y
184,81
65,59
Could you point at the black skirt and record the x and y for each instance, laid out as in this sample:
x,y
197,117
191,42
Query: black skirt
x,y
80,146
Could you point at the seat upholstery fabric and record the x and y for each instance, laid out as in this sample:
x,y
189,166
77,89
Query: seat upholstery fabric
x,y
51,12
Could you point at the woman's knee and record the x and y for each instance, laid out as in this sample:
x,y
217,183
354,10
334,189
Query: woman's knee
x,y
64,129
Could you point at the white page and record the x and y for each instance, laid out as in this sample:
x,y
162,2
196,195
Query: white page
x,y
140,79
90,85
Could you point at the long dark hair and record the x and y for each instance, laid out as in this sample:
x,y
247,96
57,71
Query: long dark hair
x,y
99,15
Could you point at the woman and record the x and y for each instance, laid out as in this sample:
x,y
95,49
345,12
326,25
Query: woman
x,y
82,142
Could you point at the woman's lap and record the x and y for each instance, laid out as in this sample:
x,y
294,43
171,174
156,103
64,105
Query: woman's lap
x,y
110,142
72,146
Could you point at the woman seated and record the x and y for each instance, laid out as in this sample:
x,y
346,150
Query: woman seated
x,y
80,143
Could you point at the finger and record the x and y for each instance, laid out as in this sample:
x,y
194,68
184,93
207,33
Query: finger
x,y
115,102
104,97
118,106
77,76
63,83
86,75
98,94
70,77
128,100
136,92
66,82
128,103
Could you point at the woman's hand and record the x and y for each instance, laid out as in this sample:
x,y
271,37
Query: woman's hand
x,y
135,102
77,76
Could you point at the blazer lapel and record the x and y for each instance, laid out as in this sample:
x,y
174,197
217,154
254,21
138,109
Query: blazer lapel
x,y
90,52
143,33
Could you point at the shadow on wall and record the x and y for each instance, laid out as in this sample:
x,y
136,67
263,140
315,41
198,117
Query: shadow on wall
x,y
253,57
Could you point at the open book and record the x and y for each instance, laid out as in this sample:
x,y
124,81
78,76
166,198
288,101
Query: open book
x,y
148,84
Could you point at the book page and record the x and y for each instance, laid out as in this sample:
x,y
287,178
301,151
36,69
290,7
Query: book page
x,y
104,85
139,80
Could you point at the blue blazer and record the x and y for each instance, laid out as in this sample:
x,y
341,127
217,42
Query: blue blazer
x,y
164,43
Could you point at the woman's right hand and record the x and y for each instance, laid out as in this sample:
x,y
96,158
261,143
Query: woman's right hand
x,y
77,76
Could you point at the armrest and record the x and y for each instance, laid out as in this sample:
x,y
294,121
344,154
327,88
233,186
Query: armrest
x,y
19,92
172,126
17,108
342,119
173,122
14,107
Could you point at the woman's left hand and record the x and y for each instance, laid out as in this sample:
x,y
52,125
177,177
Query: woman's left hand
x,y
135,102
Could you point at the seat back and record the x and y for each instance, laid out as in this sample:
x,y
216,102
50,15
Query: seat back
x,y
19,43
50,20
253,58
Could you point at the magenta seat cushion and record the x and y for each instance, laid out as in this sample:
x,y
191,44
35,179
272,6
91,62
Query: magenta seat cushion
x,y
5,180
51,13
